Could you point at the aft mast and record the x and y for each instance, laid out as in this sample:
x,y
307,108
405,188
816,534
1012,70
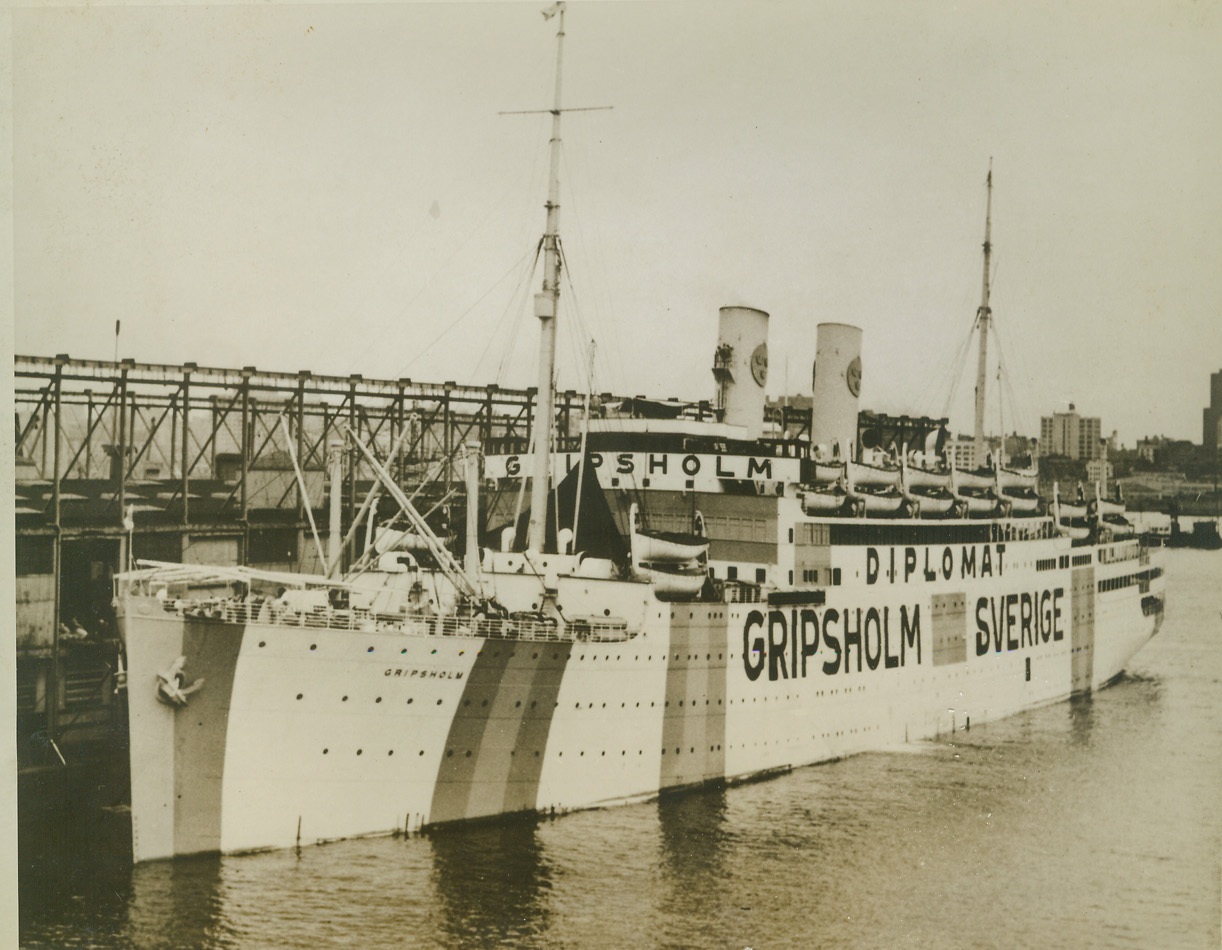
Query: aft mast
x,y
983,316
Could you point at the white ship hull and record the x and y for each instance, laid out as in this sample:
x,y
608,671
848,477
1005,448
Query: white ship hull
x,y
305,734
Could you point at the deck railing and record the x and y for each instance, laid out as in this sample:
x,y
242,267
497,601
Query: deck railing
x,y
512,627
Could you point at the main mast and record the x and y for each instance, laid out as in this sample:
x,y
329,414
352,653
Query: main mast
x,y
983,316
546,305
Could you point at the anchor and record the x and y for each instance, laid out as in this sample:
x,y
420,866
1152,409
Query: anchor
x,y
171,688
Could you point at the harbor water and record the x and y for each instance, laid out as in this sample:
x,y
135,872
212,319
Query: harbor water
x,y
1091,823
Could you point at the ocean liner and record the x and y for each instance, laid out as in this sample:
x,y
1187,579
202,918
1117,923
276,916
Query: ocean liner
x,y
686,598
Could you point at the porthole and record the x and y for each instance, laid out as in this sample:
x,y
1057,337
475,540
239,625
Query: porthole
x,y
262,643
404,650
299,695
359,751
410,700
378,700
390,751
439,702
449,753
369,650
325,751
313,646
344,700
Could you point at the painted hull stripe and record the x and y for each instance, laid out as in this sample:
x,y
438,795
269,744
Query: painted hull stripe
x,y
201,733
498,737
694,722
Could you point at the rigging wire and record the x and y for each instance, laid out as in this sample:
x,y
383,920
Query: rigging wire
x,y
466,313
1020,415
495,208
960,362
511,316
592,253
579,329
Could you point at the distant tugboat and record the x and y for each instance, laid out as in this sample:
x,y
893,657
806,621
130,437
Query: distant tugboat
x,y
692,602
1203,535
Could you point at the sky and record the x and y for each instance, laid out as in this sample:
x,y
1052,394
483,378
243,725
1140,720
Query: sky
x,y
333,187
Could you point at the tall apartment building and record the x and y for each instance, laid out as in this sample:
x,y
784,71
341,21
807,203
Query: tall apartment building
x,y
1071,435
1212,415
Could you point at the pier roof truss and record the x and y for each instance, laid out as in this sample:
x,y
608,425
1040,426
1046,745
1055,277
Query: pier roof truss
x,y
185,446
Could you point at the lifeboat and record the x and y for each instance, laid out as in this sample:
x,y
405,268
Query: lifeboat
x,y
669,547
823,500
1104,508
977,504
674,563
1024,503
927,478
980,478
886,501
669,578
1068,510
1014,479
932,503
1120,526
927,489
824,473
879,476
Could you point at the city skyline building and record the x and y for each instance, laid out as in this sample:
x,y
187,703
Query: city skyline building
x,y
1071,435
